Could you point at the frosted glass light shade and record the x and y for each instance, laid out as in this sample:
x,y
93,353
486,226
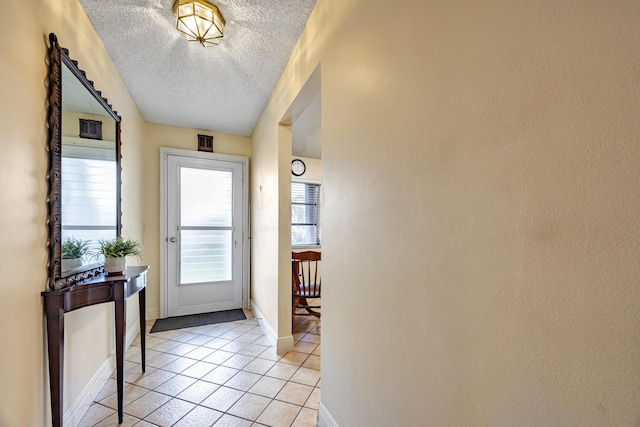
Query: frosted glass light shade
x,y
199,20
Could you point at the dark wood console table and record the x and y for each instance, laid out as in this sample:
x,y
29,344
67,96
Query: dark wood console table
x,y
98,290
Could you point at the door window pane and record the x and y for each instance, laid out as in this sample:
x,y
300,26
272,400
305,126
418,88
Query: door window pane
x,y
206,197
205,256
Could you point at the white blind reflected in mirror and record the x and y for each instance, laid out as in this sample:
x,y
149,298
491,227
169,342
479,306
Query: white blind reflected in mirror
x,y
89,211
206,225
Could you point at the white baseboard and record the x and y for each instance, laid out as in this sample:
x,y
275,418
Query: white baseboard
x,y
153,313
78,409
324,417
131,334
285,344
266,328
282,344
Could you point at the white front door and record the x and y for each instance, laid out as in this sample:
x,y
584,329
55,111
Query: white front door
x,y
204,235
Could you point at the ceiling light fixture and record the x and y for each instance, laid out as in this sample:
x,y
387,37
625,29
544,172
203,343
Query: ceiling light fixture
x,y
199,20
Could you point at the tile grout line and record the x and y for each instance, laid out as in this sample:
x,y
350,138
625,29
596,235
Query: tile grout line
x,y
197,335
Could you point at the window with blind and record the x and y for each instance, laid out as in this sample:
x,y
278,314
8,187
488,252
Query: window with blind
x,y
305,214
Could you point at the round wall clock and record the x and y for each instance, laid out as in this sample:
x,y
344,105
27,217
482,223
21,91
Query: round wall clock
x,y
298,167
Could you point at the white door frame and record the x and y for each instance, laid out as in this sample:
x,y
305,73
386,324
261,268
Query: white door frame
x,y
164,243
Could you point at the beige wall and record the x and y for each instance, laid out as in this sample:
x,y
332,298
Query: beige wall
x,y
156,136
264,226
480,173
23,163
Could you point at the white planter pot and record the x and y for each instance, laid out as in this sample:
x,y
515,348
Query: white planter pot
x,y
115,266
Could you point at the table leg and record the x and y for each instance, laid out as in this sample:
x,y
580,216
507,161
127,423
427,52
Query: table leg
x,y
143,325
120,344
55,338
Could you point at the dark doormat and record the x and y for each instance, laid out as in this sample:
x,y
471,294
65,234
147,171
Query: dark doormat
x,y
192,320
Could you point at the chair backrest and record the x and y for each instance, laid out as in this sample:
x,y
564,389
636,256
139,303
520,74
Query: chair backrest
x,y
306,272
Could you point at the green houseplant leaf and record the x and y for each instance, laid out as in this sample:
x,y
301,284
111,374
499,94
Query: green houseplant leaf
x,y
73,248
120,248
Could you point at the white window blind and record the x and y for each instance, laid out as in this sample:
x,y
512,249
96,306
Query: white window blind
x,y
89,192
305,214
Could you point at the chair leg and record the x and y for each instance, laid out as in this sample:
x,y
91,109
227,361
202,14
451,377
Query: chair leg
x,y
313,312
301,302
296,300
305,304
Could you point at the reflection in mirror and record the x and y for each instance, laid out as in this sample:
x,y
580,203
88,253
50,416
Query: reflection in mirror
x,y
84,171
88,175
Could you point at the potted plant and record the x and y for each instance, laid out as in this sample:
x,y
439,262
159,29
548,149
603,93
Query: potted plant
x,y
115,251
72,252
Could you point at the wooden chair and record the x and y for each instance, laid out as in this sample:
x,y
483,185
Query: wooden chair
x,y
305,282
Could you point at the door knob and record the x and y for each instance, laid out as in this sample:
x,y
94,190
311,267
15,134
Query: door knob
x,y
173,239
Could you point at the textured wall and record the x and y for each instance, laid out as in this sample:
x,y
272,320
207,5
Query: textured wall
x,y
265,226
480,173
23,164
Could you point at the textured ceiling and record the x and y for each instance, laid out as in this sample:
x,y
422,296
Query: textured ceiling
x,y
219,88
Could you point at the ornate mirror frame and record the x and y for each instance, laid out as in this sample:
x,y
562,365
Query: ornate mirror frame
x,y
58,58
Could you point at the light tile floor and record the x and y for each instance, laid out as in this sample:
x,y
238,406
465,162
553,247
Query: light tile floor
x,y
217,375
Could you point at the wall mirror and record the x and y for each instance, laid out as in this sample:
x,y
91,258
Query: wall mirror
x,y
84,171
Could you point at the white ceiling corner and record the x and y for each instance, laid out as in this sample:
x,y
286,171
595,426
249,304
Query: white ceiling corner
x,y
306,132
219,88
